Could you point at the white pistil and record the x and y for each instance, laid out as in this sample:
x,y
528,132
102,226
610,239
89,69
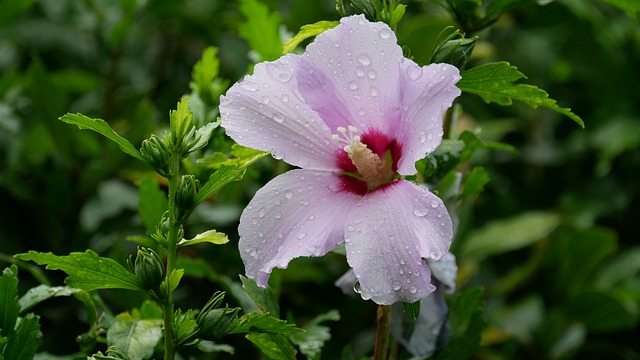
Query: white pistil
x,y
373,169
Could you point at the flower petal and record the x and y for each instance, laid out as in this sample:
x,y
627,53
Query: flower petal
x,y
387,237
350,75
299,213
266,112
426,93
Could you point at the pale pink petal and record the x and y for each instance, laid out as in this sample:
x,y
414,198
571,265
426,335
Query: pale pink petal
x,y
299,213
350,75
427,92
265,112
389,234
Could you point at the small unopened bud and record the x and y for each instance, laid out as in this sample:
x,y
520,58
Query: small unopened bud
x,y
455,50
216,323
155,152
186,197
149,268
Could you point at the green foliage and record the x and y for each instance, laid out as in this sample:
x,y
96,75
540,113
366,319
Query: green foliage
x,y
306,32
153,202
311,341
263,297
26,340
412,310
43,292
9,305
210,236
87,271
136,337
494,82
261,29
273,346
466,318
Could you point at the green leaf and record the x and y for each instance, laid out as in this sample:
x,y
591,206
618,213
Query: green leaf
x,y
43,292
87,271
466,319
224,175
9,305
261,30
264,297
101,127
631,7
412,310
180,122
153,202
136,338
173,280
264,323
205,72
504,235
474,182
241,156
26,340
210,236
625,266
311,341
494,82
603,311
273,346
307,31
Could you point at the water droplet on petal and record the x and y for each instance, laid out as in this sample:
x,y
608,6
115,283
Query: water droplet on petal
x,y
413,289
364,59
248,85
278,118
262,212
265,99
351,228
347,239
304,202
285,98
397,285
371,74
278,215
385,33
353,85
359,71
420,212
435,255
402,262
276,154
301,236
252,252
288,194
434,204
414,71
356,287
401,271
373,91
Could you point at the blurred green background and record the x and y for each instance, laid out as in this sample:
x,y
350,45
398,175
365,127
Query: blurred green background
x,y
553,239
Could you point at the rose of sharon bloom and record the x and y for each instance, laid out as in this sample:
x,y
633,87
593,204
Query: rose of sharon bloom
x,y
354,115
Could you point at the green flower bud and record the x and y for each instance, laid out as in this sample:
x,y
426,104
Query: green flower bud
x,y
455,50
149,268
216,323
155,152
186,197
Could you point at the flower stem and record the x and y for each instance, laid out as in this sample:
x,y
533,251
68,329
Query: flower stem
x,y
449,122
382,336
172,248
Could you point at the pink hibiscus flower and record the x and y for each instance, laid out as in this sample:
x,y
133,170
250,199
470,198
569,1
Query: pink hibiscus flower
x,y
354,115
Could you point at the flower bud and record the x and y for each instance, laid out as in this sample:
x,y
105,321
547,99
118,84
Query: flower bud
x,y
216,323
455,50
154,151
186,197
149,268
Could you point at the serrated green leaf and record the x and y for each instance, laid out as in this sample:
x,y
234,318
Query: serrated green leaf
x,y
263,297
100,126
153,202
210,236
136,338
494,82
311,341
466,319
261,29
203,134
503,235
87,271
180,122
412,310
9,305
474,182
224,175
205,71
261,322
241,157
307,31
26,340
273,346
43,292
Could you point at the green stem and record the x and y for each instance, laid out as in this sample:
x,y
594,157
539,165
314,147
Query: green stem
x,y
381,349
449,123
172,248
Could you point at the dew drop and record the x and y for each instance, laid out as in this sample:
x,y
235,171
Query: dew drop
x,y
278,118
401,271
285,98
265,99
288,194
397,285
434,204
356,287
413,289
334,187
414,72
347,239
251,86
351,228
353,85
301,236
385,33
278,215
280,236
373,91
252,252
371,74
435,255
420,212
304,202
364,59
276,154
262,212
254,221
284,77
359,71
402,262
423,138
